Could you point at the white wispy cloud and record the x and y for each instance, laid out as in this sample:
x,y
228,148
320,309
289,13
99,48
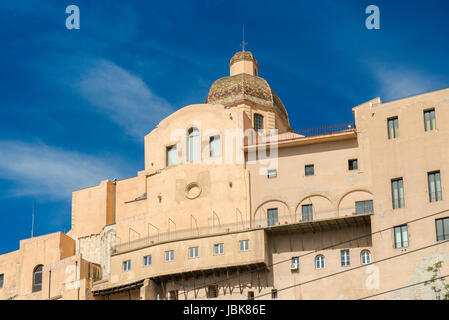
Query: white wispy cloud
x,y
39,169
399,82
124,97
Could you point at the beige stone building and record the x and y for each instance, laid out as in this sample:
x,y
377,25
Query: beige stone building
x,y
233,204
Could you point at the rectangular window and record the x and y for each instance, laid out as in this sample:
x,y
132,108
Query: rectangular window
x,y
2,279
215,146
310,170
434,186
362,207
218,248
429,120
146,261
172,156
353,164
274,293
212,291
272,215
127,265
250,295
345,258
401,237
295,263
258,122
442,226
393,128
272,174
244,245
307,212
397,193
193,252
169,255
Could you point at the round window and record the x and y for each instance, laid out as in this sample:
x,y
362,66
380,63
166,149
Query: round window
x,y
193,190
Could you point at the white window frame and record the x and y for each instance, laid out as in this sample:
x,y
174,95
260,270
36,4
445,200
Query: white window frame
x,y
193,252
320,262
345,258
244,245
193,145
172,155
169,255
365,257
218,249
126,265
147,260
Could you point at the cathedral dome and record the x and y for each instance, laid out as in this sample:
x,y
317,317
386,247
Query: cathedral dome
x,y
244,85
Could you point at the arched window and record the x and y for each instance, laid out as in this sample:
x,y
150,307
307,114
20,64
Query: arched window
x,y
37,278
193,145
366,257
319,262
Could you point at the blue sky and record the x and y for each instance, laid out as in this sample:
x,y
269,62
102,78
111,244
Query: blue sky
x,y
75,104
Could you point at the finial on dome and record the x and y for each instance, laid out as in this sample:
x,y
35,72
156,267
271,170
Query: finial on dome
x,y
243,62
243,40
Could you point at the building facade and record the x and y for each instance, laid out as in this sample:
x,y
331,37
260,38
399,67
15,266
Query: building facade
x,y
234,204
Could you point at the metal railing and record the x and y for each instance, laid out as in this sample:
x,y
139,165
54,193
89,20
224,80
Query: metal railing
x,y
265,137
215,229
327,129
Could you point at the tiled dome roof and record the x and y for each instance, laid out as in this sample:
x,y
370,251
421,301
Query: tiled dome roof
x,y
242,88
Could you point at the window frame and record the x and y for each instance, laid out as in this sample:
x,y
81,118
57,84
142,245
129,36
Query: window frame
x,y
126,265
170,254
271,219
272,176
295,260
192,154
365,206
445,234
309,213
245,247
394,134
399,204
167,153
432,122
437,195
365,257
37,286
218,252
321,261
218,146
345,258
147,260
403,243
306,172
351,163
2,280
195,250
258,119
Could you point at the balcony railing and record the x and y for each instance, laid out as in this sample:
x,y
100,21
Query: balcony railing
x,y
265,137
217,229
327,129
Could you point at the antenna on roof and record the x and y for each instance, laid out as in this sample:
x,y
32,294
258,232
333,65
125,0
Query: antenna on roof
x,y
32,221
243,39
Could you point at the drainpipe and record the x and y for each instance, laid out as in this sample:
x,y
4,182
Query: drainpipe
x,y
49,283
76,278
